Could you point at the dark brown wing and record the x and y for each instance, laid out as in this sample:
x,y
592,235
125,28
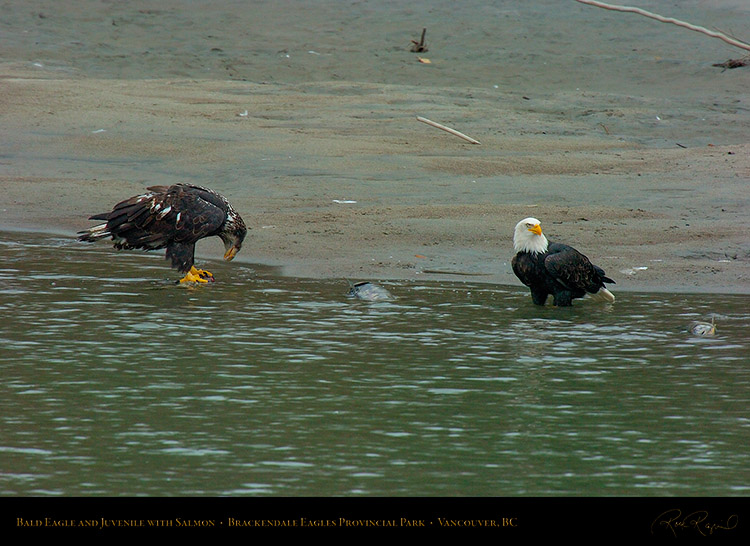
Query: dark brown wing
x,y
134,222
523,267
188,217
205,194
192,216
153,220
172,217
572,269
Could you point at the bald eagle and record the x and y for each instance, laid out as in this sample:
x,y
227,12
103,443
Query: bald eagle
x,y
553,268
172,217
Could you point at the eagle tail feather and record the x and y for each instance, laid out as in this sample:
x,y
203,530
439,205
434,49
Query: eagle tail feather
x,y
94,233
603,295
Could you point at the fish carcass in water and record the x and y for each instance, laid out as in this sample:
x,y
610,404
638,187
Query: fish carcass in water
x,y
368,291
703,329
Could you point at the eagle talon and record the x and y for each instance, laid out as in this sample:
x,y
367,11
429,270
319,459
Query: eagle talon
x,y
197,275
192,278
202,273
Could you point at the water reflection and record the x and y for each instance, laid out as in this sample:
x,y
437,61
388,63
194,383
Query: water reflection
x,y
118,382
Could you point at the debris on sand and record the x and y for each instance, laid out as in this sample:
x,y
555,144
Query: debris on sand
x,y
420,46
734,63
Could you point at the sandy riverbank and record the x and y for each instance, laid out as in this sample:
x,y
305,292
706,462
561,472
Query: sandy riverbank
x,y
613,130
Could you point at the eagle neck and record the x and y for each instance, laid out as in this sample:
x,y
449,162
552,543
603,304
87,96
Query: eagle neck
x,y
537,244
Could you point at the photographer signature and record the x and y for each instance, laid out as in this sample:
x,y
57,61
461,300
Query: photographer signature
x,y
674,521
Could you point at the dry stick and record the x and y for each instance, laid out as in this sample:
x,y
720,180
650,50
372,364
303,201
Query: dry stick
x,y
448,129
419,46
719,35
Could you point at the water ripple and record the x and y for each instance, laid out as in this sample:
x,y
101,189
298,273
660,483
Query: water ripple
x,y
260,385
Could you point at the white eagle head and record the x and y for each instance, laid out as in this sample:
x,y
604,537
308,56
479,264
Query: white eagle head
x,y
528,236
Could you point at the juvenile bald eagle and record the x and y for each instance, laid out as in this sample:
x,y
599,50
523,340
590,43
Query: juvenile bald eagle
x,y
172,217
553,268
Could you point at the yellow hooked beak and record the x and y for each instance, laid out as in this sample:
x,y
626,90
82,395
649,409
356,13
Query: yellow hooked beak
x,y
537,229
230,254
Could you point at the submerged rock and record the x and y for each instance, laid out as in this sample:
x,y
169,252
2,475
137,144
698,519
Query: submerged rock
x,y
368,291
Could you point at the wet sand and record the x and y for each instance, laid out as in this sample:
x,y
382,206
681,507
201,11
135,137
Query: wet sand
x,y
614,130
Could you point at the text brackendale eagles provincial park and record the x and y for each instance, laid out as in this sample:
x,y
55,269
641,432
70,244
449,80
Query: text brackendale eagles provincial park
x,y
238,522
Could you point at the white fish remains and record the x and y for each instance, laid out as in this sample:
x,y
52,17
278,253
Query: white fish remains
x,y
703,329
368,291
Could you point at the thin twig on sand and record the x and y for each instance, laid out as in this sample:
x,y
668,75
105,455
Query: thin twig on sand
x,y
712,33
448,129
734,63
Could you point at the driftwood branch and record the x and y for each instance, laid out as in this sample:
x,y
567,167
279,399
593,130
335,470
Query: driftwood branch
x,y
712,33
420,46
447,129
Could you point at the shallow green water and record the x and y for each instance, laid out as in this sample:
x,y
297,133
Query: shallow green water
x,y
118,382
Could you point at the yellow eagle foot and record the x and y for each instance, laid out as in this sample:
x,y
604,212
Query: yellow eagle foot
x,y
203,273
197,275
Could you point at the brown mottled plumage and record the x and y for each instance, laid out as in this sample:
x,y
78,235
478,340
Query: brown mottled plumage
x,y
172,217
